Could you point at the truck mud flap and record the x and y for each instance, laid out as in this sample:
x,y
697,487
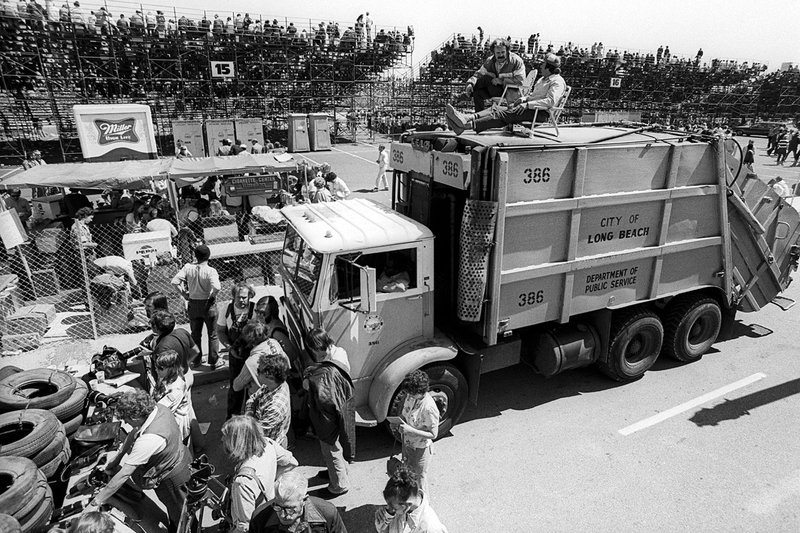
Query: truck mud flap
x,y
477,237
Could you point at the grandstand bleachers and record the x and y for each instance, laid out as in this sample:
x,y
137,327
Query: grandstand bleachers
x,y
50,62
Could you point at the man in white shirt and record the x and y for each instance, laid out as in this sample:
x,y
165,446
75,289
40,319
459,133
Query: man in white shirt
x,y
199,284
152,457
256,148
383,163
545,95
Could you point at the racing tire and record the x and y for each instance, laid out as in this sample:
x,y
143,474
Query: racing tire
x,y
26,433
18,477
72,425
634,344
40,492
49,469
9,524
39,517
51,450
449,389
691,327
44,389
74,405
9,370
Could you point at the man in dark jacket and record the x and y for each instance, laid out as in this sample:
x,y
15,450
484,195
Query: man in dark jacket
x,y
331,411
293,510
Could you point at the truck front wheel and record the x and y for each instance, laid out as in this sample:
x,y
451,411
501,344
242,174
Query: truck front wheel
x,y
692,326
449,389
635,342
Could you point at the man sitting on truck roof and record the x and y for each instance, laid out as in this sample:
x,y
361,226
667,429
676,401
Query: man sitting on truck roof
x,y
503,68
545,95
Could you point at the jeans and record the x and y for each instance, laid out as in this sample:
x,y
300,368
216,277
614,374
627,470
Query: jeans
x,y
235,398
509,115
483,90
204,312
417,460
337,466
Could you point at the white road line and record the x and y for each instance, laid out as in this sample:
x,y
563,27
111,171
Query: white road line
x,y
700,400
308,158
354,155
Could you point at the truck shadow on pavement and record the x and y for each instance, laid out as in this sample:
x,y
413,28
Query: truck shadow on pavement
x,y
733,409
520,388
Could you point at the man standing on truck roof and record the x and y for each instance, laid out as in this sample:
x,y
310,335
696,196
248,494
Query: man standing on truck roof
x,y
545,95
503,68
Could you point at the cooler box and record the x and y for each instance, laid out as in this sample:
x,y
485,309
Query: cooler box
x,y
145,245
319,131
47,206
298,133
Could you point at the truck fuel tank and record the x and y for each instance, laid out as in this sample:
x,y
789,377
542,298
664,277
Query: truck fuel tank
x,y
563,347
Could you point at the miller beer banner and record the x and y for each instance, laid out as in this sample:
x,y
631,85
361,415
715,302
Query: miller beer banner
x,y
249,128
115,132
190,133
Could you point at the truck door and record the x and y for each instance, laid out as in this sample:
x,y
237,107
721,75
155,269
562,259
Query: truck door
x,y
399,316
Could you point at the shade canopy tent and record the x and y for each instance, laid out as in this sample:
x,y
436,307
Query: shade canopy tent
x,y
139,174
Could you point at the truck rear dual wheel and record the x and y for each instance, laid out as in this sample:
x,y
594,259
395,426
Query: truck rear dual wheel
x,y
634,344
449,389
692,325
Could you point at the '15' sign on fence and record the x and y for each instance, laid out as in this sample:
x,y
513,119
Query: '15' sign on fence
x,y
222,69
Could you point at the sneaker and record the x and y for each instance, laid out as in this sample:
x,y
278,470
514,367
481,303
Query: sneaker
x,y
327,494
457,121
374,189
453,126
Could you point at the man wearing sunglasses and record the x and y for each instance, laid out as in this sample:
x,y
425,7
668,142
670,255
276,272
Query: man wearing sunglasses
x,y
293,510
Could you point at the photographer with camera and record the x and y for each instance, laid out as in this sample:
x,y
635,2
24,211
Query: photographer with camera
x,y
154,457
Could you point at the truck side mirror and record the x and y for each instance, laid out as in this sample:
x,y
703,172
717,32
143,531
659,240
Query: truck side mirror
x,y
369,297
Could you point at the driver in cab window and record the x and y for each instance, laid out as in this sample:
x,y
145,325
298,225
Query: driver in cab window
x,y
394,277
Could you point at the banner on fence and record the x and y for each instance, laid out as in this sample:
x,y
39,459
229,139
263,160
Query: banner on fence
x,y
190,133
115,132
216,131
249,128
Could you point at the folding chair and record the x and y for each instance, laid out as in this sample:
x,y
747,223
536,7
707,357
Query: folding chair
x,y
512,92
555,112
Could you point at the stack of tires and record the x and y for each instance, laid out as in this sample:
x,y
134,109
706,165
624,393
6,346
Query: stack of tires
x,y
37,435
42,388
25,496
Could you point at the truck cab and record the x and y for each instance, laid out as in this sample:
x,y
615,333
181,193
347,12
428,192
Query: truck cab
x,y
334,262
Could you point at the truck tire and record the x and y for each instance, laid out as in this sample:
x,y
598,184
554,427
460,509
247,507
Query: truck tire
x,y
9,524
18,477
44,389
26,433
634,344
448,387
74,404
691,326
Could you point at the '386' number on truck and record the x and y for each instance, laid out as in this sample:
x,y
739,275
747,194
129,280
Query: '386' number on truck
x,y
536,175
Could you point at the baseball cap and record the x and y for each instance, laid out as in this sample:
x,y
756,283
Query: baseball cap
x,y
552,60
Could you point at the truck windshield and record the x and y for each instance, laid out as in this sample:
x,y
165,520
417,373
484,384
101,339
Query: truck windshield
x,y
302,263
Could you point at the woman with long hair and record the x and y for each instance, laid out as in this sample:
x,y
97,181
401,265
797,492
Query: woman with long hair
x,y
172,391
258,462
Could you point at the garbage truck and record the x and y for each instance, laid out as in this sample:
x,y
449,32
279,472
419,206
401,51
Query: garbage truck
x,y
602,245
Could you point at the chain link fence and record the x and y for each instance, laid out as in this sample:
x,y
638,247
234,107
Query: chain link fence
x,y
65,285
